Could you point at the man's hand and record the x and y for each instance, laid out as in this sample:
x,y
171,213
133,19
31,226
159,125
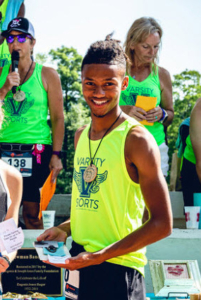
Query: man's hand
x,y
56,166
82,260
53,234
3,265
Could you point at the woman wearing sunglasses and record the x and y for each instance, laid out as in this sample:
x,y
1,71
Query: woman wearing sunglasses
x,y
25,138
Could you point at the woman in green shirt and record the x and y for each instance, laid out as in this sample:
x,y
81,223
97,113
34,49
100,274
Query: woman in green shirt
x,y
149,80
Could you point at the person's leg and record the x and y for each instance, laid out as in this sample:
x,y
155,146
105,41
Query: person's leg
x,y
30,215
31,190
190,182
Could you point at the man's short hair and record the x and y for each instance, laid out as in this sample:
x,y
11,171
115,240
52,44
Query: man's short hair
x,y
107,52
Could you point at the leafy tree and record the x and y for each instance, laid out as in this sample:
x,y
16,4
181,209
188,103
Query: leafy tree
x,y
186,90
75,118
41,58
69,69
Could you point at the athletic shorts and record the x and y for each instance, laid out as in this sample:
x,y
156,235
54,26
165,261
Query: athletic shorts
x,y
40,172
109,281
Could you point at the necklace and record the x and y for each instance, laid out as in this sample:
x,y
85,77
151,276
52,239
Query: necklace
x,y
20,95
90,172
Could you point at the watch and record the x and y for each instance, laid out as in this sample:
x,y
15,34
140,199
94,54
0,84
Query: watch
x,y
164,116
58,153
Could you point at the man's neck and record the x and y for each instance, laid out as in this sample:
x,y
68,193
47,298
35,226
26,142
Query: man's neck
x,y
100,125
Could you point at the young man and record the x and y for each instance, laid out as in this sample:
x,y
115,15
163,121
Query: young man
x,y
25,137
116,171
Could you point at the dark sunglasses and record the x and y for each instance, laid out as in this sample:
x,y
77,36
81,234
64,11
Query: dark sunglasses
x,y
21,38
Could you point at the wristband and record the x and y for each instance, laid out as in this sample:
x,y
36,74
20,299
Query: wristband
x,y
9,263
58,153
164,116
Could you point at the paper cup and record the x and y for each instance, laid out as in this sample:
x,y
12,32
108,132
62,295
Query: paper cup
x,y
192,215
197,202
194,296
48,218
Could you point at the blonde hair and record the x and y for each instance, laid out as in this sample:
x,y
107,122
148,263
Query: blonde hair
x,y
138,32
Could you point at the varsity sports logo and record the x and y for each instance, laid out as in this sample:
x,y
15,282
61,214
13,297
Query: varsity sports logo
x,y
88,188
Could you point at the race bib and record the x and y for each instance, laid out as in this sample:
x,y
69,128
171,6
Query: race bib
x,y
71,284
21,161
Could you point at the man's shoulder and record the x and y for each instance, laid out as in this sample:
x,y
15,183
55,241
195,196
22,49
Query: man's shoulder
x,y
140,144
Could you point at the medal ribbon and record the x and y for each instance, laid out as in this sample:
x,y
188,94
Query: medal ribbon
x,y
92,158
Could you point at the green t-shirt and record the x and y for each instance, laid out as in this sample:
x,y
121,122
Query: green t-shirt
x,y
188,152
150,87
26,122
111,207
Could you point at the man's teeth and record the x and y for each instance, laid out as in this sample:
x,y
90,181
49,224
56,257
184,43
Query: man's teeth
x,y
99,102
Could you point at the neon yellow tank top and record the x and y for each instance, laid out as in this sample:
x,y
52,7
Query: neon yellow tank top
x,y
26,122
149,87
188,152
5,57
111,207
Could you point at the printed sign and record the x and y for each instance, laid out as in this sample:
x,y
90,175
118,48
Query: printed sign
x,y
28,274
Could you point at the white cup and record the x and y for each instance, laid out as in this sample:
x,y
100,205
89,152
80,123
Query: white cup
x,y
192,215
48,218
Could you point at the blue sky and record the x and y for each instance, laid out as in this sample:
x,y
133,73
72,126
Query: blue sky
x,y
82,22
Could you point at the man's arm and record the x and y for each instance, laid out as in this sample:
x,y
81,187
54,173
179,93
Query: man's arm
x,y
195,135
52,85
146,158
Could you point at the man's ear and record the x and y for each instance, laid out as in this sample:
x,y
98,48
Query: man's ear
x,y
124,83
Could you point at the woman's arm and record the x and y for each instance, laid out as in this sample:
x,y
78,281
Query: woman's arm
x,y
166,95
52,85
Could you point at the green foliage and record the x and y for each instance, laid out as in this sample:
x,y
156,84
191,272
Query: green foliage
x,y
74,119
76,113
69,68
41,58
186,90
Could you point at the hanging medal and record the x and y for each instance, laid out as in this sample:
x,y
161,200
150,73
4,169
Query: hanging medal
x,y
91,171
19,96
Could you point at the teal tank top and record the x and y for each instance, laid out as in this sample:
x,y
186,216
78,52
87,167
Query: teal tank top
x,y
149,87
109,208
188,152
26,122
